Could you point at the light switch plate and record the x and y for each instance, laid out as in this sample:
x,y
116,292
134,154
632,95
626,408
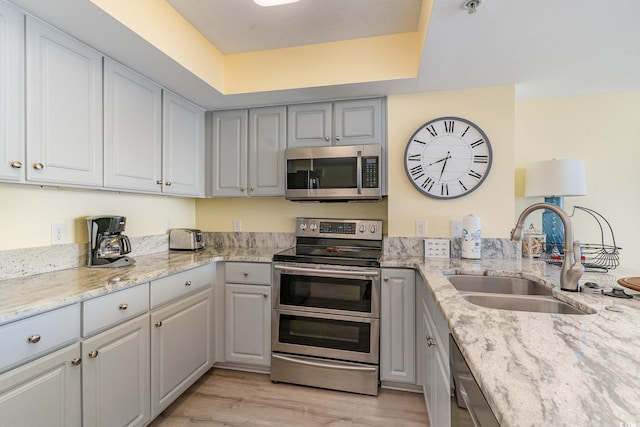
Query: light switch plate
x,y
437,248
456,228
421,228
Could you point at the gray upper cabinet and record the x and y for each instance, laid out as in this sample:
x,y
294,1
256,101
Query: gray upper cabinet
x,y
352,122
12,155
64,108
183,150
247,152
132,130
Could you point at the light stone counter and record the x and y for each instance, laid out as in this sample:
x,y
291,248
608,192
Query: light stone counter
x,y
30,295
540,369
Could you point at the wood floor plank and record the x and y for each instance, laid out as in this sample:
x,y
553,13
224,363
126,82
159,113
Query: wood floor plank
x,y
233,398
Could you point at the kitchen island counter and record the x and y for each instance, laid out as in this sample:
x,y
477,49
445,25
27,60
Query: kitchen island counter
x,y
545,369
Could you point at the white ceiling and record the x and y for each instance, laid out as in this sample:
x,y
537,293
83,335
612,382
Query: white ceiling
x,y
545,48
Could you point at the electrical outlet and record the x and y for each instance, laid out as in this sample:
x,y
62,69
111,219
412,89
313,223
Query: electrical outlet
x,y
421,228
437,248
167,224
58,234
456,228
237,225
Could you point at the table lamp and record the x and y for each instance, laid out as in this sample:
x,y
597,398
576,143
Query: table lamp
x,y
553,180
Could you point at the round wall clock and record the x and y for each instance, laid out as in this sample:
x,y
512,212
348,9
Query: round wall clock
x,y
448,157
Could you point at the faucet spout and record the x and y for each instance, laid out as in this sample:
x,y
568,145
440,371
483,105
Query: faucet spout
x,y
572,268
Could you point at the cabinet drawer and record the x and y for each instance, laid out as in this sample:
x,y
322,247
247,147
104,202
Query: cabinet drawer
x,y
180,284
257,273
102,312
34,336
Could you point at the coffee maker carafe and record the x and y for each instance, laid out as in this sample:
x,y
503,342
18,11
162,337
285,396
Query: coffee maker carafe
x,y
107,243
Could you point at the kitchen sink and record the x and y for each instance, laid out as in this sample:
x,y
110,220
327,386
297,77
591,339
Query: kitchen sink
x,y
509,293
497,285
539,304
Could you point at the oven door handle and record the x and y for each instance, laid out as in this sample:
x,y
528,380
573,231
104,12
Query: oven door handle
x,y
324,365
326,271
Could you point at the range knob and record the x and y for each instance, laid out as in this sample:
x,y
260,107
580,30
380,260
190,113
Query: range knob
x,y
303,226
313,227
372,229
362,229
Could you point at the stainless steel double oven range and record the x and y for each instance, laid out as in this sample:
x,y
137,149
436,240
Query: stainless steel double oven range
x,y
326,309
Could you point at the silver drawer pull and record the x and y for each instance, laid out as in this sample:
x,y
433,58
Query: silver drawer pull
x,y
158,324
123,306
93,354
76,361
245,274
34,339
159,182
265,295
17,164
431,341
38,166
187,283
168,183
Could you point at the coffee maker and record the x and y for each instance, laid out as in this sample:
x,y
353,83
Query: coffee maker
x,y
107,243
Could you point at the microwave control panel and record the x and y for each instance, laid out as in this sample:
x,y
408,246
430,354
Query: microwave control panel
x,y
370,172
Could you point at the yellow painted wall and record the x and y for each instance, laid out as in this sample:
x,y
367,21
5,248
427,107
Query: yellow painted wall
x,y
604,130
27,213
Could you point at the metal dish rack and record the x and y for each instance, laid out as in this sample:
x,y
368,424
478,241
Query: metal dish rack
x,y
595,256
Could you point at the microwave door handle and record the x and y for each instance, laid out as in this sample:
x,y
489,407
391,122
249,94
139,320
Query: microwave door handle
x,y
359,171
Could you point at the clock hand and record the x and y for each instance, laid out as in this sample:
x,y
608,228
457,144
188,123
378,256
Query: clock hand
x,y
445,164
437,161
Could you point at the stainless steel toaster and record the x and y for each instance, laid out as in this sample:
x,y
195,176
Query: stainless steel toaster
x,y
186,239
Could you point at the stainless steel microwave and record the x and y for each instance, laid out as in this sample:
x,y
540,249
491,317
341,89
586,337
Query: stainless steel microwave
x,y
336,173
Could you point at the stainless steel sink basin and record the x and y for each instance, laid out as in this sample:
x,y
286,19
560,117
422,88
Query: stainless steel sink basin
x,y
539,304
497,285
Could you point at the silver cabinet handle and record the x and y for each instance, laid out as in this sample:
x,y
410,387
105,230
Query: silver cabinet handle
x,y
386,279
123,306
76,361
252,188
242,189
38,166
34,339
168,183
337,138
265,295
17,164
245,274
187,283
431,341
159,182
158,324
327,138
93,354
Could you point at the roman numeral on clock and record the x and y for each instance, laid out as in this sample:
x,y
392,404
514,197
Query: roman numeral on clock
x,y
416,172
462,185
444,189
465,132
480,159
415,157
448,126
432,130
477,143
475,174
428,183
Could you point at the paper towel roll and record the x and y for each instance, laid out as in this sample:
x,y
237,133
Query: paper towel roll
x,y
471,237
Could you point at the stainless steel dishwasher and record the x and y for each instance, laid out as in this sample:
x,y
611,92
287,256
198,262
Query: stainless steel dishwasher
x,y
467,394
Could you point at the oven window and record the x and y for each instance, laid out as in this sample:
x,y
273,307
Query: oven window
x,y
325,333
326,292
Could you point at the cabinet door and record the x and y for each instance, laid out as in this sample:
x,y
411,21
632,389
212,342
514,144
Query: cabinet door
x,y
267,142
248,324
309,125
11,94
428,368
183,154
397,326
229,153
357,122
115,376
132,130
64,108
45,392
180,348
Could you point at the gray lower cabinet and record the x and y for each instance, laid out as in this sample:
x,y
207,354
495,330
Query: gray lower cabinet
x,y
397,326
181,347
248,313
115,376
44,392
434,358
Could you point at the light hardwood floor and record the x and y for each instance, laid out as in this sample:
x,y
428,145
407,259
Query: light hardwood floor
x,y
233,398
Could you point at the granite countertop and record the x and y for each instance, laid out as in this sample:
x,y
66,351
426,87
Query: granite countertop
x,y
546,369
535,368
30,295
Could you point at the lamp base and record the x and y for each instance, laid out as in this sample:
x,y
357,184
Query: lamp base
x,y
552,227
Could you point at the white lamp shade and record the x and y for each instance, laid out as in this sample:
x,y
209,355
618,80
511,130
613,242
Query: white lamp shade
x,y
564,177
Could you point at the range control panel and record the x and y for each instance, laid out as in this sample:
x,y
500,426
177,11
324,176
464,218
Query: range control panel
x,y
370,229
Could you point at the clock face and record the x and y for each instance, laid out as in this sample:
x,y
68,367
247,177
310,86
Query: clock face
x,y
448,157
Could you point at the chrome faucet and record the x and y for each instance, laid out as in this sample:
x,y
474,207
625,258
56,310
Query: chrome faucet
x,y
572,268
